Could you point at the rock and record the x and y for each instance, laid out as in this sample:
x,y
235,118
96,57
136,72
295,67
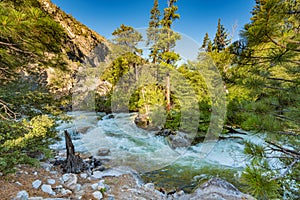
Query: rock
x,y
51,181
18,183
65,192
110,197
103,152
36,184
36,198
98,195
165,132
22,195
217,188
149,186
142,121
70,180
83,129
179,140
111,172
83,175
94,186
48,189
46,166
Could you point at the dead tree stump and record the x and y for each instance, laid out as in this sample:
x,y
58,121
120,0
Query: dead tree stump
x,y
74,164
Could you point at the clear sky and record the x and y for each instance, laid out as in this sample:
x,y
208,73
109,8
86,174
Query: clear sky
x,y
197,16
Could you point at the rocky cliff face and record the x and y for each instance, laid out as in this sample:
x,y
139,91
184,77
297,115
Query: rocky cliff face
x,y
81,40
82,48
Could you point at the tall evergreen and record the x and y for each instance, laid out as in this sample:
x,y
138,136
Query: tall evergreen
x,y
221,38
168,37
153,31
270,71
205,41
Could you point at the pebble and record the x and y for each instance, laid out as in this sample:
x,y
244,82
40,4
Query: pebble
x,y
83,175
22,195
48,189
51,181
36,184
98,195
18,183
65,192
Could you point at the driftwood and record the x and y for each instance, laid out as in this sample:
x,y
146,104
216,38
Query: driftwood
x,y
74,164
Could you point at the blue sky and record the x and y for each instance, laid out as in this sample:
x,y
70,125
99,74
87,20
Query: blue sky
x,y
197,16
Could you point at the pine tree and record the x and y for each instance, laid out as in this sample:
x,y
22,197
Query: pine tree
x,y
205,41
153,31
126,40
167,36
269,69
221,38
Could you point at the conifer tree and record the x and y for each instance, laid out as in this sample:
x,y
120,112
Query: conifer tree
x,y
168,37
221,38
270,70
127,39
153,31
205,41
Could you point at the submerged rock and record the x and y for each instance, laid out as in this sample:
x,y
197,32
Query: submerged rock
x,y
103,152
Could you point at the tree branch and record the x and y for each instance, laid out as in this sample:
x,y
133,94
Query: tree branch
x,y
10,114
287,170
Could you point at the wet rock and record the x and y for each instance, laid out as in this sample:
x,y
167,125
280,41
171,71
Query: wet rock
x,y
103,152
22,195
142,121
98,195
36,184
48,189
165,132
179,140
83,129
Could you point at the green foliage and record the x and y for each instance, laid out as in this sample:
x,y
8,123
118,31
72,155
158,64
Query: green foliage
x,y
21,141
220,40
260,184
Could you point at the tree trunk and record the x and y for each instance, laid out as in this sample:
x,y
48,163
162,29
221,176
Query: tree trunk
x,y
74,164
168,108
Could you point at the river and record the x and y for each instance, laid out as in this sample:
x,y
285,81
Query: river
x,y
151,155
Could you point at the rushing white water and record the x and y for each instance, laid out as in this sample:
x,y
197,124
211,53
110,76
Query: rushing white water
x,y
141,149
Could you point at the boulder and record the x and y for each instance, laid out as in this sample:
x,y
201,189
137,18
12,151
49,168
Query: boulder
x,y
142,121
179,140
70,180
217,188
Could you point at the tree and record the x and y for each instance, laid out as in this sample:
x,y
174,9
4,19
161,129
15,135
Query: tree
x,y
220,40
153,32
269,69
127,39
168,40
206,41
